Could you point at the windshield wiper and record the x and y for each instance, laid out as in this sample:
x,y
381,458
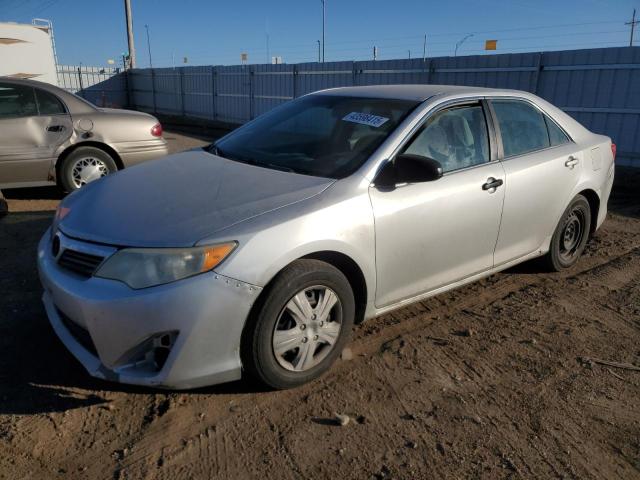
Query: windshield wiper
x,y
250,161
237,158
279,167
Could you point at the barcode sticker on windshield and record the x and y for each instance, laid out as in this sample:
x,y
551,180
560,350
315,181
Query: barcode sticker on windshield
x,y
365,119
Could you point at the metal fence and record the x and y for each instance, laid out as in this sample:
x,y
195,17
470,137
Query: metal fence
x,y
598,87
105,87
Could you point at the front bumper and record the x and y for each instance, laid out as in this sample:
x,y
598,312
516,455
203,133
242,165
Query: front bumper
x,y
205,313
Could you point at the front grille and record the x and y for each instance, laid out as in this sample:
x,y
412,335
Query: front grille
x,y
81,263
81,335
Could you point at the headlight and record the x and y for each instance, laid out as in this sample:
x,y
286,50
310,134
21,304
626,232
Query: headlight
x,y
146,267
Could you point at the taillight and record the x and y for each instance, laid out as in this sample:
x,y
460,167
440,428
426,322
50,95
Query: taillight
x,y
156,130
614,149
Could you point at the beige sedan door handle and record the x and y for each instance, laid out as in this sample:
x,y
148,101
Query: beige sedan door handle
x,y
571,162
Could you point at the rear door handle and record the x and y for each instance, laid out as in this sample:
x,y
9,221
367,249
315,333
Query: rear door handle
x,y
55,128
492,184
571,162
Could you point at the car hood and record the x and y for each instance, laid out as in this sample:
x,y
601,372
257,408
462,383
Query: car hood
x,y
180,199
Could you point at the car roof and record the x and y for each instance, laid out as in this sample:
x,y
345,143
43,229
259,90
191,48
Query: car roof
x,y
417,93
74,103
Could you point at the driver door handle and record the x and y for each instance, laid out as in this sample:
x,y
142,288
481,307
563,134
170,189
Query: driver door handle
x,y
492,184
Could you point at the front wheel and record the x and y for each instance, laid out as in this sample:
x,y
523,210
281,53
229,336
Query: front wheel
x,y
301,326
84,165
570,236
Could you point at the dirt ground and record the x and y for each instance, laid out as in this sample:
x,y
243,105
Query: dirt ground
x,y
495,380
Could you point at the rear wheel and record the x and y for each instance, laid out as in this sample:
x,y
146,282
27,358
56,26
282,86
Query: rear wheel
x,y
84,165
570,236
301,326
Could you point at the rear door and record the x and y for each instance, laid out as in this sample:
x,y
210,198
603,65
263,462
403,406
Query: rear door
x,y
29,137
55,118
542,166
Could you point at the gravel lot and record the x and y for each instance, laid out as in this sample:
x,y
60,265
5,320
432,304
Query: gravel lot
x,y
499,379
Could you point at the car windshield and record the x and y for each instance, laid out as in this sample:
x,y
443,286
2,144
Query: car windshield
x,y
321,135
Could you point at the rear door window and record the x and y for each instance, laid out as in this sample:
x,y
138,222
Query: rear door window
x,y
522,127
49,104
17,101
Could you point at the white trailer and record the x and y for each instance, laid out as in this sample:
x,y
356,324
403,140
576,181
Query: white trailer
x,y
28,51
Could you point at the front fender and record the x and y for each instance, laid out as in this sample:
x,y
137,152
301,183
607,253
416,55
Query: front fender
x,y
270,242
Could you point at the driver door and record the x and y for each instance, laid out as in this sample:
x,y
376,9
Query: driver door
x,y
432,234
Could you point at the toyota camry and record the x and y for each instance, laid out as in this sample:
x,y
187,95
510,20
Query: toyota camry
x,y
256,255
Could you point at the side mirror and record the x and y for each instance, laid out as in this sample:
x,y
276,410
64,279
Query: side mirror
x,y
409,168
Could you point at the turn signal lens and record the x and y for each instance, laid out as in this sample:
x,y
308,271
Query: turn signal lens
x,y
61,212
214,255
156,130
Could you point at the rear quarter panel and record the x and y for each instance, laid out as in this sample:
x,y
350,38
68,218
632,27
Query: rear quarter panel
x,y
597,171
127,132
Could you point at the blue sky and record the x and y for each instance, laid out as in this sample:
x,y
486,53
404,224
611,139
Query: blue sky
x,y
216,32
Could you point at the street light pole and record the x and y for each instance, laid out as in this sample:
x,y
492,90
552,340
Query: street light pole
x,y
149,46
455,53
132,48
323,22
318,51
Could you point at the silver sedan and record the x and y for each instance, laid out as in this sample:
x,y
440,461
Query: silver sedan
x,y
49,136
256,255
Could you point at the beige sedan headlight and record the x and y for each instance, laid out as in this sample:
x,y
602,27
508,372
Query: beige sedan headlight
x,y
147,267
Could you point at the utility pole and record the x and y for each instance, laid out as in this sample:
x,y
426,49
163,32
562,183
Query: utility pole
x,y
132,48
375,53
268,57
633,24
424,49
409,54
266,32
149,46
323,22
318,51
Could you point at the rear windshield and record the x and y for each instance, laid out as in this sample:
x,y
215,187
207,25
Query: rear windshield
x,y
321,135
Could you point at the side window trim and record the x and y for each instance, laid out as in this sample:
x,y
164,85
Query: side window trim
x,y
459,102
545,116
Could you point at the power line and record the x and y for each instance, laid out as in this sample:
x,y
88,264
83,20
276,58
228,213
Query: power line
x,y
297,49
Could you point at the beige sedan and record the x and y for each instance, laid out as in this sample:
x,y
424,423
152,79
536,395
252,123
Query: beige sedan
x,y
50,136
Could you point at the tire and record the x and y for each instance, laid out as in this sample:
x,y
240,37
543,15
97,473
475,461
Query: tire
x,y
84,165
570,236
291,364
